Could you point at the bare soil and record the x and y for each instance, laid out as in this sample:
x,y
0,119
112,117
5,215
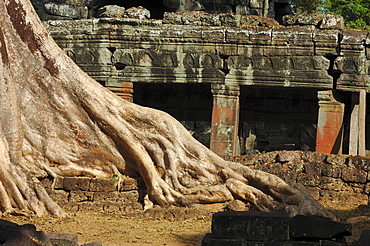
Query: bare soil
x,y
115,228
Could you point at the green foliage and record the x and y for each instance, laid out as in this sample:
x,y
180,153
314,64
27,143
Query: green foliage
x,y
306,7
356,13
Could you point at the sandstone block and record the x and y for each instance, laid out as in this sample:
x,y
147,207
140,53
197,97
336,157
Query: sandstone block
x,y
64,239
138,13
304,227
364,238
252,226
102,196
25,235
80,196
58,183
76,183
66,10
58,195
328,183
103,185
331,171
128,196
308,180
354,175
111,207
359,162
337,160
230,19
46,182
208,240
367,188
172,18
111,11
331,21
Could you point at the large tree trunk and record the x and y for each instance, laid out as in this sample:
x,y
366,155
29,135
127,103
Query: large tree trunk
x,y
55,120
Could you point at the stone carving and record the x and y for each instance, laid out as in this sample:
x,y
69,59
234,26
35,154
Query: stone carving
x,y
298,56
145,60
77,9
323,21
112,11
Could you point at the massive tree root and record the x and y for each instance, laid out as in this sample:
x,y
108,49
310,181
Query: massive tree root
x,y
55,120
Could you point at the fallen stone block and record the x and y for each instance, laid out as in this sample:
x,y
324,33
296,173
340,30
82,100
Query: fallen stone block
x,y
208,240
251,226
25,235
364,239
317,228
64,239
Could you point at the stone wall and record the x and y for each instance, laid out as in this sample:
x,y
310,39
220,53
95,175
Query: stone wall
x,y
82,193
82,9
337,181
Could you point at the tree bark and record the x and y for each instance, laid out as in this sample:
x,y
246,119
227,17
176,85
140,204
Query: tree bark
x,y
57,121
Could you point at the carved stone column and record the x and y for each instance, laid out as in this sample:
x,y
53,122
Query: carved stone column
x,y
357,145
329,136
125,91
225,120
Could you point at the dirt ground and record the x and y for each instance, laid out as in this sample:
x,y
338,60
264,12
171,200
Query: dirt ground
x,y
114,229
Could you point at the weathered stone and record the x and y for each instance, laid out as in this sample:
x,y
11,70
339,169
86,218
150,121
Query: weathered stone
x,y
252,226
303,227
76,183
5,228
337,160
328,183
307,180
208,240
367,189
66,10
64,239
111,11
210,20
96,207
138,13
354,175
288,156
70,206
106,185
97,243
331,21
58,195
46,182
26,235
111,207
364,238
359,162
129,196
102,196
132,184
236,205
230,19
58,182
172,18
331,171
80,196
332,243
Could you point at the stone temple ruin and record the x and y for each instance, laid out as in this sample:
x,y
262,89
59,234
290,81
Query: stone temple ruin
x,y
242,75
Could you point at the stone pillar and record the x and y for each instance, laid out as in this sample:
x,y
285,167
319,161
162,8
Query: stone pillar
x,y
124,91
225,120
329,135
357,125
